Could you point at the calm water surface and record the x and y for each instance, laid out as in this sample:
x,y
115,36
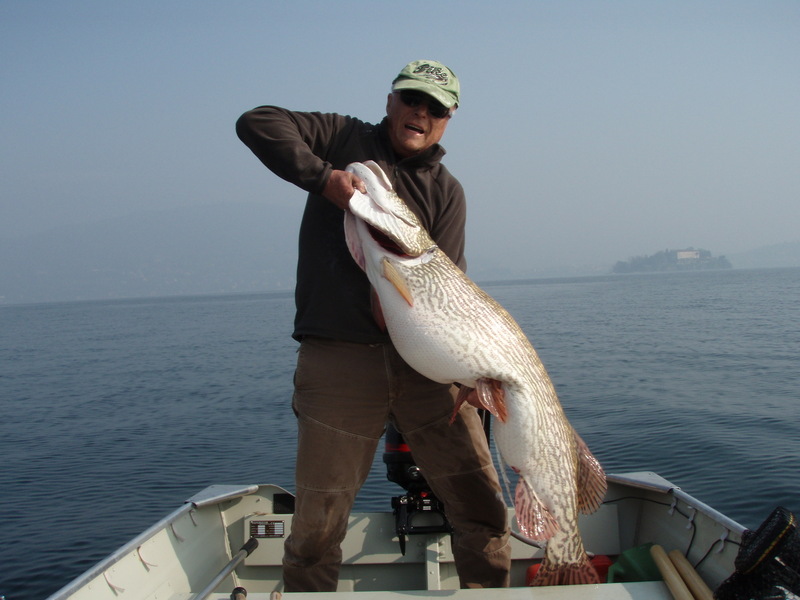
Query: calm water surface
x,y
112,413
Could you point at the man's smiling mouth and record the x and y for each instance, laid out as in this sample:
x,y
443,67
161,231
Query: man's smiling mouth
x,y
415,129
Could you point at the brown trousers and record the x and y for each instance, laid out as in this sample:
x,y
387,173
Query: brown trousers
x,y
344,395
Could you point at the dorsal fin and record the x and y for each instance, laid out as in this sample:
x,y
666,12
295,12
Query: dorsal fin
x,y
592,484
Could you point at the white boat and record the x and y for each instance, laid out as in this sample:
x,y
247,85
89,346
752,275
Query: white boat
x,y
204,549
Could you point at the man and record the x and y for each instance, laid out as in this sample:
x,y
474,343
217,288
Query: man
x,y
349,379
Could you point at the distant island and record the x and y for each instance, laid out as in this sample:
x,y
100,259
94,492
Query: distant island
x,y
688,259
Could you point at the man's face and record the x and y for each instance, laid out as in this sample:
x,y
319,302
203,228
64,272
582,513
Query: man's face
x,y
412,129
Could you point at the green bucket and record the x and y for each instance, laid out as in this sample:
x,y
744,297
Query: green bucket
x,y
635,564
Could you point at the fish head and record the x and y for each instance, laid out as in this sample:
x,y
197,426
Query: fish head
x,y
390,222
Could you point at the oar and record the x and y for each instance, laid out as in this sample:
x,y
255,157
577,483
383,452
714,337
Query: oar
x,y
243,553
692,578
671,576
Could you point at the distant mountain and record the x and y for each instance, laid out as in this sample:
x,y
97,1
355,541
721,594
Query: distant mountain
x,y
219,248
774,256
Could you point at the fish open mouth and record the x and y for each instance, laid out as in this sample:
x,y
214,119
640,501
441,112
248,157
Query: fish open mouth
x,y
386,242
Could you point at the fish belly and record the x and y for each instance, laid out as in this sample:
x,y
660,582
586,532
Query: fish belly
x,y
430,344
451,331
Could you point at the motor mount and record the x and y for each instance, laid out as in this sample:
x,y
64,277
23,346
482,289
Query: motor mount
x,y
417,511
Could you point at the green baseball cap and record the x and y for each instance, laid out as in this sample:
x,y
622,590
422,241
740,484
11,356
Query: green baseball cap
x,y
432,78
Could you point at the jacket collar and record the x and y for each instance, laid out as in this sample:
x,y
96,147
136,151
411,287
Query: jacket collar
x,y
424,160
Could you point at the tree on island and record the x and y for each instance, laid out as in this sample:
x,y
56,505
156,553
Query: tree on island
x,y
687,259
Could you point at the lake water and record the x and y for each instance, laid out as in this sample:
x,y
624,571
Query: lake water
x,y
113,413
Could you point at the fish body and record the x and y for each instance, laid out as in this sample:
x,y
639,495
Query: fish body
x,y
451,331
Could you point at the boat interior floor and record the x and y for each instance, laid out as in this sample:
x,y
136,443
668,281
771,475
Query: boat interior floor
x,y
649,590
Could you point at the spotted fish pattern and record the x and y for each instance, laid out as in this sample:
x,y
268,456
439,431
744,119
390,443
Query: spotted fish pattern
x,y
450,330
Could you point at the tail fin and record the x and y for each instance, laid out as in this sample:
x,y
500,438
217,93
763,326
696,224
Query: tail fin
x,y
566,573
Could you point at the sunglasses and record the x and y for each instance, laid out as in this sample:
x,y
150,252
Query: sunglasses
x,y
414,99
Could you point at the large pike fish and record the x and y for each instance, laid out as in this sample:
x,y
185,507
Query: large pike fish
x,y
451,331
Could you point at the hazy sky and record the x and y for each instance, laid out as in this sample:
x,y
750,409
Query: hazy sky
x,y
588,131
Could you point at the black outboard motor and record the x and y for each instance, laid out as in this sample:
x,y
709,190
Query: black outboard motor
x,y
419,510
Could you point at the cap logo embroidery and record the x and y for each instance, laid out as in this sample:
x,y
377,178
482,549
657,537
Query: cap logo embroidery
x,y
436,74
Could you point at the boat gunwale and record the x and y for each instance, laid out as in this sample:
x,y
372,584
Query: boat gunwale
x,y
647,480
208,496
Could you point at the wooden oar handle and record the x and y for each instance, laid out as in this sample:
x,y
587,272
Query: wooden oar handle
x,y
670,574
692,578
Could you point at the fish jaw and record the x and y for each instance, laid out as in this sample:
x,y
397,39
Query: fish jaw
x,y
380,192
353,239
384,210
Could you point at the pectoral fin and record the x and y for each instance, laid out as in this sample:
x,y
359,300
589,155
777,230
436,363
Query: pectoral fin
x,y
396,279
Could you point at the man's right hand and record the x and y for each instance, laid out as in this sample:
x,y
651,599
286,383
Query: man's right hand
x,y
341,186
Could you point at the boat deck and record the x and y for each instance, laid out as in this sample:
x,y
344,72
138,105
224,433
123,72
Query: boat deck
x,y
199,549
643,590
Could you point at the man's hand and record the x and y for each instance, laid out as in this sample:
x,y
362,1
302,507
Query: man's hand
x,y
340,188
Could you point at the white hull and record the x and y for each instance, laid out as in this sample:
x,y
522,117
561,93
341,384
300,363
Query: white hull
x,y
181,555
